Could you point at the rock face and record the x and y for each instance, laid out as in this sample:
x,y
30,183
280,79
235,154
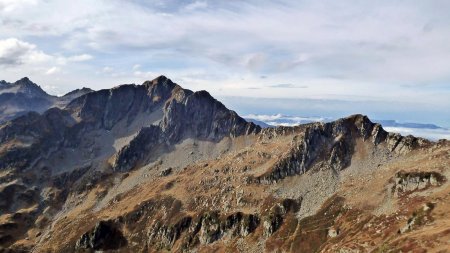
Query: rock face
x,y
190,117
184,114
206,228
187,114
104,236
164,236
273,220
129,156
332,145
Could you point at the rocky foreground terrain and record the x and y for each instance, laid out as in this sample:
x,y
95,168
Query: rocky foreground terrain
x,y
158,168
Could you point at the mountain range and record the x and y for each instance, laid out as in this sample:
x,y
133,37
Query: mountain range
x,y
158,168
24,96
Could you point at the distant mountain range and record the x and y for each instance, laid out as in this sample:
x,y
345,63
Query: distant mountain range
x,y
24,96
393,123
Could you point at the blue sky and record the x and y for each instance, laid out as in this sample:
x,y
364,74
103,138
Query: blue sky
x,y
388,59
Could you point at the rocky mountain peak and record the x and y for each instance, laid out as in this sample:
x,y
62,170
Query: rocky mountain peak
x,y
24,79
160,81
26,86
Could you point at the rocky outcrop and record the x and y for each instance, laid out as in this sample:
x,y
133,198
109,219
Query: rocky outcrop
x,y
273,220
331,145
206,228
407,182
129,156
164,236
165,172
165,226
199,115
403,144
213,227
104,236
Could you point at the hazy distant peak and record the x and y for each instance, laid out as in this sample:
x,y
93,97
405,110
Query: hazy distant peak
x,y
27,86
24,79
24,95
24,86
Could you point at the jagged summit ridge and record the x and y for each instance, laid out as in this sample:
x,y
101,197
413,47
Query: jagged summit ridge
x,y
332,145
160,106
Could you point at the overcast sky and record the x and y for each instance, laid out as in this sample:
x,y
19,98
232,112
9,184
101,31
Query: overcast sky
x,y
365,53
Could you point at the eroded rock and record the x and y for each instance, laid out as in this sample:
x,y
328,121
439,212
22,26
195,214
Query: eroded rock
x,y
274,219
204,229
332,145
406,182
104,236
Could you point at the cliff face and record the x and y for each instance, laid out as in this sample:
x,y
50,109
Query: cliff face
x,y
181,114
332,145
155,167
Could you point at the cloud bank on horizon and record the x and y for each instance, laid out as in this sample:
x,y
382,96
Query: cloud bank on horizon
x,y
391,52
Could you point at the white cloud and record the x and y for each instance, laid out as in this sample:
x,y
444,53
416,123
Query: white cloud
x,y
11,5
285,120
15,52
